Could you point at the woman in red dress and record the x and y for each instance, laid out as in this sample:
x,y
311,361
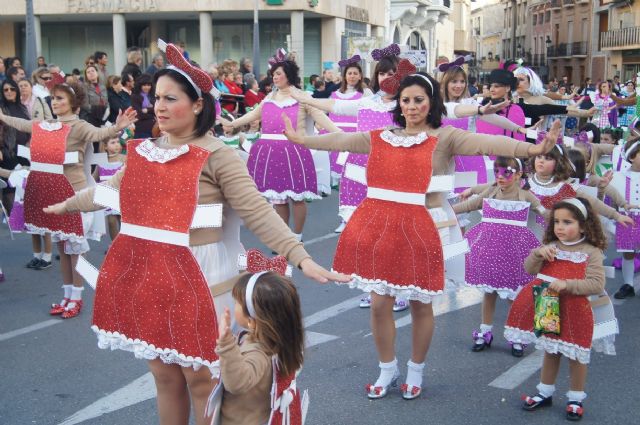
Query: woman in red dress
x,y
392,246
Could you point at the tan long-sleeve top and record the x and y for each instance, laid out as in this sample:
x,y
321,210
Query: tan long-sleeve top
x,y
451,141
594,281
247,375
513,193
597,151
223,179
80,135
610,191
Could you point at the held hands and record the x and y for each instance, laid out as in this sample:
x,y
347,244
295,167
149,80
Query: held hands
x,y
318,273
56,209
126,118
465,194
548,252
490,108
227,127
606,179
558,285
548,143
289,131
224,326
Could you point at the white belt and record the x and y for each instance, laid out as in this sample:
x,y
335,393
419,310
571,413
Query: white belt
x,y
396,196
69,157
274,137
546,278
342,158
504,221
454,249
444,183
105,178
47,168
346,124
87,271
155,235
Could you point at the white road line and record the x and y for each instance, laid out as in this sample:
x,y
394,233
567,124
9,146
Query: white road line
x,y
332,311
316,338
519,372
37,326
321,238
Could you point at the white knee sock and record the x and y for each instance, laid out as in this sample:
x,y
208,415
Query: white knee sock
x,y
37,255
414,373
67,293
76,295
298,236
627,271
387,373
576,396
546,390
46,257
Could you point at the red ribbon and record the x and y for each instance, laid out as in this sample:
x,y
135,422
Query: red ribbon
x,y
392,84
257,262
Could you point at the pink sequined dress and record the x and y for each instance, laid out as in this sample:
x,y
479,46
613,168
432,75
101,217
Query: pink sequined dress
x,y
373,114
628,237
281,169
152,298
105,172
345,123
499,245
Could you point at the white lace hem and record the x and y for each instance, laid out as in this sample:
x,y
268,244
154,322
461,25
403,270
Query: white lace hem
x,y
605,345
519,336
323,188
572,351
573,256
503,293
396,140
289,194
382,287
145,351
544,190
504,205
62,236
50,126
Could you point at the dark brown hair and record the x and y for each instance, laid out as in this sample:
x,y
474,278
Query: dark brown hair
x,y
386,64
508,161
436,109
359,86
591,226
278,318
562,170
75,94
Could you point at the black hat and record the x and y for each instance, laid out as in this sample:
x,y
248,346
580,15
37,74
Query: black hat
x,y
504,77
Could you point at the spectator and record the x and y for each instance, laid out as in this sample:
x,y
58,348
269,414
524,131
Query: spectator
x,y
95,109
142,101
330,85
41,62
616,87
264,86
182,46
246,66
127,89
16,73
312,80
2,70
218,79
134,62
473,89
252,95
101,60
36,107
118,99
238,78
14,61
586,91
89,61
318,87
233,88
157,63
41,79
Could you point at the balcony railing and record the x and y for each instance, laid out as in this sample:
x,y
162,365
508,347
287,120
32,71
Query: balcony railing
x,y
624,37
569,3
578,48
556,4
539,59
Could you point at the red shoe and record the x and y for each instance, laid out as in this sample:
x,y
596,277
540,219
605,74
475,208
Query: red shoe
x,y
73,311
58,308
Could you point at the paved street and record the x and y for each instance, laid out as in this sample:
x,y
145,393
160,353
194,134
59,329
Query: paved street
x,y
53,372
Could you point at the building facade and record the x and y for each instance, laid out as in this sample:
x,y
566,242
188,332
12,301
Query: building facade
x,y
539,37
487,19
213,30
618,51
515,26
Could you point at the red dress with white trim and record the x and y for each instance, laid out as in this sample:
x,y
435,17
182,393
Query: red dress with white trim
x,y
287,408
391,244
576,315
47,184
151,297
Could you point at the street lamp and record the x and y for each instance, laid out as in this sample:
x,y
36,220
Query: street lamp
x,y
518,50
490,56
548,43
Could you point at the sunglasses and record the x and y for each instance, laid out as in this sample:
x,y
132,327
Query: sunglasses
x,y
46,78
8,89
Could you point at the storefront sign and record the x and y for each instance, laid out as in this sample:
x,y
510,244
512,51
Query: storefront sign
x,y
416,57
362,45
111,6
357,14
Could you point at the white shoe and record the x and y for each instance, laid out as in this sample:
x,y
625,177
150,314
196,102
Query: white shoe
x,y
400,305
341,227
365,302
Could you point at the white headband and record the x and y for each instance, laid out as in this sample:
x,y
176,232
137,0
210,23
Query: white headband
x,y
519,164
579,205
249,293
628,152
560,149
185,75
426,79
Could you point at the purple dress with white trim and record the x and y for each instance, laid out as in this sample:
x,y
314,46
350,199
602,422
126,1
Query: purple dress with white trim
x,y
345,123
280,168
628,237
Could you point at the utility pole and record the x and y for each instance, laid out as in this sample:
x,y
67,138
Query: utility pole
x,y
256,41
31,53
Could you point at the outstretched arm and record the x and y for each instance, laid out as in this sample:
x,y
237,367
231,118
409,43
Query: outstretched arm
x,y
345,142
17,123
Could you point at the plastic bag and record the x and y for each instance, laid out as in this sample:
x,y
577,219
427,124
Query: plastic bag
x,y
547,310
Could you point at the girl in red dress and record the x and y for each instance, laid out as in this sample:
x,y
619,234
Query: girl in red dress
x,y
571,261
393,245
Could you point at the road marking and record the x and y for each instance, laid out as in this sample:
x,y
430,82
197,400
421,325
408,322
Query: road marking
x,y
519,372
37,326
321,238
143,388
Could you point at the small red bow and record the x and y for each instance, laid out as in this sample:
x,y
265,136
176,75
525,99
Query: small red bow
x,y
257,262
199,77
392,84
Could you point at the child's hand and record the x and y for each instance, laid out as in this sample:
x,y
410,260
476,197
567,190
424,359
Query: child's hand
x,y
548,252
625,220
558,285
224,327
57,209
290,133
606,179
465,194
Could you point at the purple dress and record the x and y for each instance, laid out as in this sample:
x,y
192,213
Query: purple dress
x,y
105,172
16,218
628,183
499,245
345,123
281,169
467,163
373,114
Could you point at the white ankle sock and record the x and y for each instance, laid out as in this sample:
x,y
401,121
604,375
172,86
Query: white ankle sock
x,y
483,330
414,373
67,294
37,255
546,390
298,236
387,373
576,396
627,271
76,295
46,257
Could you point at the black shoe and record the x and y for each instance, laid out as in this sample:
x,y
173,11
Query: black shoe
x,y
517,352
625,291
33,263
43,265
535,402
574,411
58,257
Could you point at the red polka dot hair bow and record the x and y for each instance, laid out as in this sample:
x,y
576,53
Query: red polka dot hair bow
x,y
198,78
256,262
280,56
392,84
